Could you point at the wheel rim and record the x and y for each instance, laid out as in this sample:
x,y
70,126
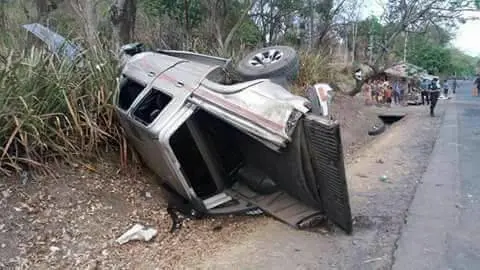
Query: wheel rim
x,y
266,58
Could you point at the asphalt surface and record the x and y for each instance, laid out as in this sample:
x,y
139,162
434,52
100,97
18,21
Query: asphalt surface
x,y
442,230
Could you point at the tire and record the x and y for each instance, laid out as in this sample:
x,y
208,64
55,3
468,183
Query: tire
x,y
286,64
377,129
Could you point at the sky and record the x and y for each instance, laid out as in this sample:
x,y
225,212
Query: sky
x,y
467,37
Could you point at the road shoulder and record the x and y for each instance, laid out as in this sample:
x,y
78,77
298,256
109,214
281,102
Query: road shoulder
x,y
433,212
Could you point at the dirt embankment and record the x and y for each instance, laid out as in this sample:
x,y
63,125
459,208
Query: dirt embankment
x,y
355,121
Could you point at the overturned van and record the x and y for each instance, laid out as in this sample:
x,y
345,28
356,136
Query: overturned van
x,y
234,145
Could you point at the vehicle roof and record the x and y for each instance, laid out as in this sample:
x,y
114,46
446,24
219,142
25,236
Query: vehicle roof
x,y
144,67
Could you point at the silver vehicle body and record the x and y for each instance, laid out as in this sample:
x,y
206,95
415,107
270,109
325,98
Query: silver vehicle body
x,y
261,109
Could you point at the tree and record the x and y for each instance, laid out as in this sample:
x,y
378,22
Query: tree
x,y
122,17
221,21
274,17
87,11
434,58
42,10
413,16
462,64
327,11
3,19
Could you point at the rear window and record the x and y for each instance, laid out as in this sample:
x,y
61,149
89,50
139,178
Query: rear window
x,y
151,106
129,91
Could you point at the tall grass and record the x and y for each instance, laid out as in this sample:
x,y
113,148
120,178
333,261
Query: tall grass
x,y
51,109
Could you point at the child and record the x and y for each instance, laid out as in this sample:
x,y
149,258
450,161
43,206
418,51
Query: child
x,y
367,92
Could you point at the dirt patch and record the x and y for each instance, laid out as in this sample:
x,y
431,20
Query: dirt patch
x,y
73,220
355,120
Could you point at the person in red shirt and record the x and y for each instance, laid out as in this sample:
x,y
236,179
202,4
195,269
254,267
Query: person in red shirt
x,y
388,94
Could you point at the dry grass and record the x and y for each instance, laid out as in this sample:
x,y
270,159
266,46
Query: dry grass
x,y
51,109
318,68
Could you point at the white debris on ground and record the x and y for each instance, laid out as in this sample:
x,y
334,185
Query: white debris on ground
x,y
137,232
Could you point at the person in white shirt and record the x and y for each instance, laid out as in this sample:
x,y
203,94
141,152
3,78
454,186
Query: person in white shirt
x,y
445,88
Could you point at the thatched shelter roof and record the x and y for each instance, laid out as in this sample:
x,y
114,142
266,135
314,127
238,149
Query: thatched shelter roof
x,y
405,70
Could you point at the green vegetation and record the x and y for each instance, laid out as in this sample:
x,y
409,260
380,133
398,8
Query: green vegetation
x,y
431,50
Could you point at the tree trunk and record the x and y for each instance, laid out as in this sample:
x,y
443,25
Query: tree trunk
x,y
187,24
122,17
237,25
310,25
42,10
42,16
3,20
91,21
354,41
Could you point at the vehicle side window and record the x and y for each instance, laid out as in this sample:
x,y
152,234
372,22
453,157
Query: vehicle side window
x,y
151,106
129,90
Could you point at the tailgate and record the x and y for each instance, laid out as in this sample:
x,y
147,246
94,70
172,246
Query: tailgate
x,y
322,192
325,146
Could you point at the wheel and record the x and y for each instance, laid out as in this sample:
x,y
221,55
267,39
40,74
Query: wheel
x,y
270,62
377,129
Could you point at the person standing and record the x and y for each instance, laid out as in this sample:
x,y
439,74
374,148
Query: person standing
x,y
403,90
454,85
445,88
388,94
367,92
434,94
375,91
425,95
396,92
477,84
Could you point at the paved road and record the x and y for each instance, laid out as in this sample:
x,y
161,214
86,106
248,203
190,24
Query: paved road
x,y
442,230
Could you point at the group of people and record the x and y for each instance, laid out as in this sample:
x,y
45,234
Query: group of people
x,y
431,92
384,92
